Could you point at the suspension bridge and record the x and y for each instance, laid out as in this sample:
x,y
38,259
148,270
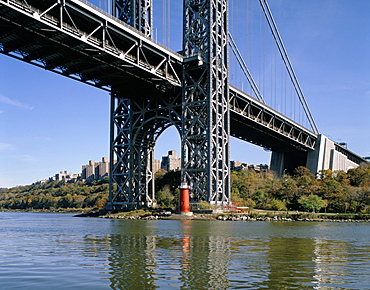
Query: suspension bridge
x,y
153,88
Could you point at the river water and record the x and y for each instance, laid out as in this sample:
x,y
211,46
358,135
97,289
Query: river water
x,y
59,251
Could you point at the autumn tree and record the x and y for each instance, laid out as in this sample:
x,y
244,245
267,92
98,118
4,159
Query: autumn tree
x,y
360,176
288,190
305,180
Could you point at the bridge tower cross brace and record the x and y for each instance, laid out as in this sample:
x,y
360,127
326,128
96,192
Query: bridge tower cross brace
x,y
205,120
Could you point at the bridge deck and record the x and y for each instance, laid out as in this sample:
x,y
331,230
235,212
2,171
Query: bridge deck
x,y
81,42
259,124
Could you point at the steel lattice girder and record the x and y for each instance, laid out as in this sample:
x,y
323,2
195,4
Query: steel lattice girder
x,y
206,124
147,120
78,40
120,148
265,127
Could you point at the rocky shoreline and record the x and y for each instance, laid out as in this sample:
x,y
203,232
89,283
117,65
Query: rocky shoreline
x,y
224,217
257,215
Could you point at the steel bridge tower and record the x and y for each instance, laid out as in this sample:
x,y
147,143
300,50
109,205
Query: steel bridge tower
x,y
205,114
137,13
200,111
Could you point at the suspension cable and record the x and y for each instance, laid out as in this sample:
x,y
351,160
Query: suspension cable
x,y
288,65
166,22
169,23
245,69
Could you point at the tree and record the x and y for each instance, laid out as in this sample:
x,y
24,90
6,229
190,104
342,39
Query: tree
x,y
360,176
172,179
245,182
306,181
311,202
342,177
335,193
303,171
288,190
259,196
326,174
277,204
165,197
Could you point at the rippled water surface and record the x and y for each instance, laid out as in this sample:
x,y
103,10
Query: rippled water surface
x,y
59,251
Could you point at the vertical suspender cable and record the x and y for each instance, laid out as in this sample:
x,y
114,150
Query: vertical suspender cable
x,y
234,70
287,63
259,53
263,37
249,43
169,23
273,75
248,38
164,22
245,69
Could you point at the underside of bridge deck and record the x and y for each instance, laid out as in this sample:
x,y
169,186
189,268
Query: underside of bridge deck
x,y
71,41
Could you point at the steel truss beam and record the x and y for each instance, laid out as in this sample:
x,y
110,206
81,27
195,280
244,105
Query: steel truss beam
x,y
205,116
76,39
265,127
350,155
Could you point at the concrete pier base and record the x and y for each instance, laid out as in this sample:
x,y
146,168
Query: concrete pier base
x,y
326,155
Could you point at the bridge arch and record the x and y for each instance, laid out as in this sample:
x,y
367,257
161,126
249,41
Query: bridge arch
x,y
144,141
136,125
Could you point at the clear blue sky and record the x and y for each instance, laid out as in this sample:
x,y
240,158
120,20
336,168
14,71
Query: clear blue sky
x,y
49,123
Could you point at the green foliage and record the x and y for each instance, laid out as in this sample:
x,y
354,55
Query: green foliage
x,y
172,179
55,195
259,195
311,203
277,204
360,176
165,198
340,192
288,190
167,192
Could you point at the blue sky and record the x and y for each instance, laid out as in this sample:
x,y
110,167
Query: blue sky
x,y
49,123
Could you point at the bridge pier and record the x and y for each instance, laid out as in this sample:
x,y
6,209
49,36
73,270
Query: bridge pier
x,y
285,162
204,112
140,112
331,155
327,154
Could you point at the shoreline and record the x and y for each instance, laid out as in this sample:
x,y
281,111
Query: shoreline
x,y
228,217
255,215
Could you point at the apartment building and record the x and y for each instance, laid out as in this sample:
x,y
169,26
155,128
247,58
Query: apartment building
x,y
171,162
95,170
